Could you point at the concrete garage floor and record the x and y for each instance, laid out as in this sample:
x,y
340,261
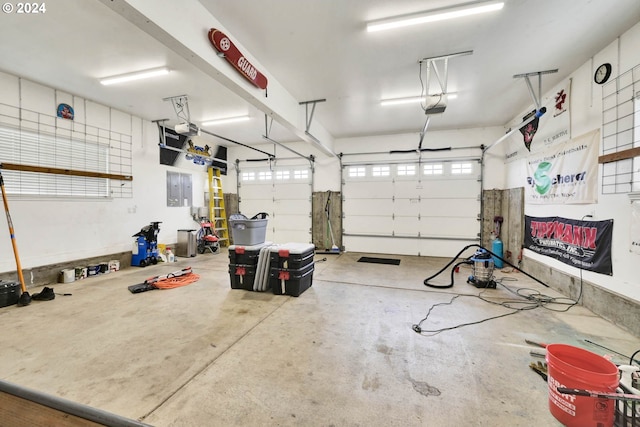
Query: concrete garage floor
x,y
342,354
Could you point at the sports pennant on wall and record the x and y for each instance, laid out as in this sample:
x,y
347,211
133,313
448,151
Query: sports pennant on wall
x,y
552,128
581,244
529,130
224,45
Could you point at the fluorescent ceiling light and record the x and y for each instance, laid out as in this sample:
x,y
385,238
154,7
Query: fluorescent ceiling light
x,y
412,99
134,76
434,15
226,120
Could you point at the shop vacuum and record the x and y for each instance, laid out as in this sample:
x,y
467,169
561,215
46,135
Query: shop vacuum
x,y
483,265
145,248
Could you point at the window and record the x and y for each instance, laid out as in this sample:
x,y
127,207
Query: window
x,y
380,171
39,149
71,149
432,169
282,175
248,176
357,171
264,175
406,170
301,174
461,168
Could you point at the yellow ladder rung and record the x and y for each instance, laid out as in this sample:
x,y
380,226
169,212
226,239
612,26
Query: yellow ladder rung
x,y
216,205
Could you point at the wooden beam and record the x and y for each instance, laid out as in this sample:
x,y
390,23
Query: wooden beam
x,y
17,412
620,155
58,171
20,406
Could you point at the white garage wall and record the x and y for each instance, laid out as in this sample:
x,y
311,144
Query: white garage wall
x,y
586,115
59,230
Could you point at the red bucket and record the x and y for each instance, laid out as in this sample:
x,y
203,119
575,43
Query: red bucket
x,y
574,367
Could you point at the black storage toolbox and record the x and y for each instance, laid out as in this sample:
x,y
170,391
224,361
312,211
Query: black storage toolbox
x,y
292,255
240,254
243,261
242,276
9,293
286,281
291,268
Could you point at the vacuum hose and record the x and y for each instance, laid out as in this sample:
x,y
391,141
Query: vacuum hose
x,y
468,261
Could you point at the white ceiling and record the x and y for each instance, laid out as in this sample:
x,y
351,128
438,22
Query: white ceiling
x,y
319,49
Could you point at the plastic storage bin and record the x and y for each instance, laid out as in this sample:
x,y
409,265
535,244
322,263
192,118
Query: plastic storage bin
x,y
291,268
241,254
242,276
243,263
292,255
245,231
285,281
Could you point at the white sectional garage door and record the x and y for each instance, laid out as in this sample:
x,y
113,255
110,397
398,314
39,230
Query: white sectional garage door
x,y
414,208
282,192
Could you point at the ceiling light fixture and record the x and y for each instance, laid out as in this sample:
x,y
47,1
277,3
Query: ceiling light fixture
x,y
226,120
412,99
434,15
155,72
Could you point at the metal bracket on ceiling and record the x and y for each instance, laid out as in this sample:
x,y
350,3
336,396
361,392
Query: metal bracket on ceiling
x,y
309,116
267,125
267,129
432,63
309,119
180,106
537,100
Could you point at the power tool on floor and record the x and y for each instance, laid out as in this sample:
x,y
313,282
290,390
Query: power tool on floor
x,y
207,239
145,249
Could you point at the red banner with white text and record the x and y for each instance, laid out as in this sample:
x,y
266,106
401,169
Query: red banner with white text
x,y
582,244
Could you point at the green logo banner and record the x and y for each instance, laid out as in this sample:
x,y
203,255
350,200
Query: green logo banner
x,y
567,173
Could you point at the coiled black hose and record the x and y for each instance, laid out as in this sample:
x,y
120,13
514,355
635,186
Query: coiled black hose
x,y
468,261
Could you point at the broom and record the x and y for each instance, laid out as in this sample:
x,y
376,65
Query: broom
x,y
25,298
327,209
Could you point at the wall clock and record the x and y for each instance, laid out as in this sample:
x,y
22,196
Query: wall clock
x,y
602,74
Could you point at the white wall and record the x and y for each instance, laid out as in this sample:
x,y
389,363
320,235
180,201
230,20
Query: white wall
x,y
59,230
586,115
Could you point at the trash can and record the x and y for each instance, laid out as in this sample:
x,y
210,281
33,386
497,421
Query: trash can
x,y
187,243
